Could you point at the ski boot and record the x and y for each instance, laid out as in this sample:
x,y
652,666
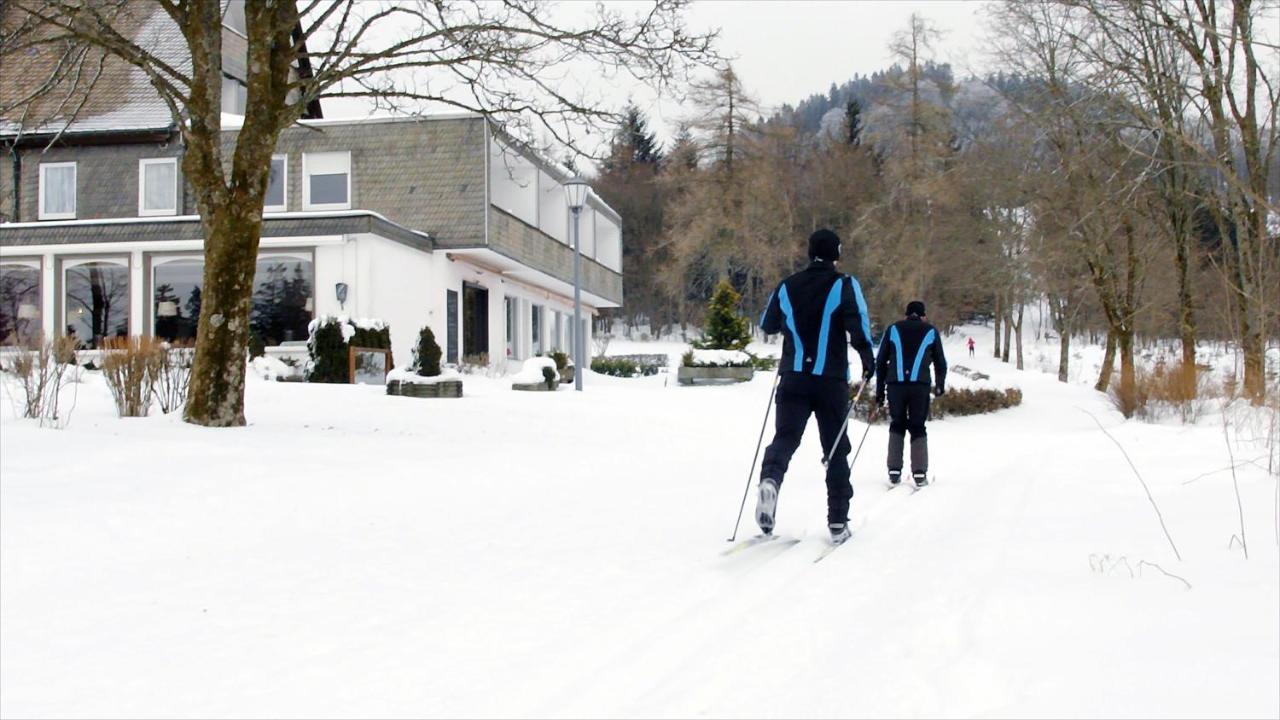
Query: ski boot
x,y
920,479
895,477
767,505
839,532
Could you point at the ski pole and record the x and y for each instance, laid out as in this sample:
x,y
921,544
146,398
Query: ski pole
x,y
852,404
759,442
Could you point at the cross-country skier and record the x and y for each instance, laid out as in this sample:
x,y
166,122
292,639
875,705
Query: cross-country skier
x,y
907,350
815,309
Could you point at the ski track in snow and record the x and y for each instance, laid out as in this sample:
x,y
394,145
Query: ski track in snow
x,y
521,554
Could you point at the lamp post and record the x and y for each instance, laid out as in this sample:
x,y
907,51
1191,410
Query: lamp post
x,y
575,194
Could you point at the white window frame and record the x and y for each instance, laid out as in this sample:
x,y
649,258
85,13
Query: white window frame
x,y
143,163
75,192
284,207
306,180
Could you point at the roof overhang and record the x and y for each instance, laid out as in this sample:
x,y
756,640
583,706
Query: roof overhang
x,y
494,261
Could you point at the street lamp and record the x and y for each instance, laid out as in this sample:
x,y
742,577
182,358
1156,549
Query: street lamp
x,y
575,194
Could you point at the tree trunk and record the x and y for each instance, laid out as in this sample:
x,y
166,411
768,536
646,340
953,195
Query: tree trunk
x,y
1008,334
1064,355
1018,335
1108,364
1128,389
216,397
996,335
1186,308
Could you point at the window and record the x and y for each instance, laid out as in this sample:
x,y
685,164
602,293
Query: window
x,y
158,186
276,199
19,302
535,328
557,333
96,305
175,301
326,183
511,327
283,301
57,191
235,96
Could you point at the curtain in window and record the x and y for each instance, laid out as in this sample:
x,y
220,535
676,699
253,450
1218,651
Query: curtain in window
x,y
60,190
160,184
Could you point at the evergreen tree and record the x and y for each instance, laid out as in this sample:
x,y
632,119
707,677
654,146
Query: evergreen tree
x,y
426,356
726,329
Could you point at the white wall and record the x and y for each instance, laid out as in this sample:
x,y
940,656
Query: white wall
x,y
513,183
608,242
553,213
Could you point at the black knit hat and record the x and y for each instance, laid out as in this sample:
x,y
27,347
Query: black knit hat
x,y
915,307
824,245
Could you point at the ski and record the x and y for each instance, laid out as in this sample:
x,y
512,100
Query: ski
x,y
750,543
826,551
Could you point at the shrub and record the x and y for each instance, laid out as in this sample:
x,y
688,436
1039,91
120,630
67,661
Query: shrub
x,y
617,367
257,348
956,402
725,328
426,355
131,365
40,372
1163,390
174,376
551,378
764,363
562,359
331,338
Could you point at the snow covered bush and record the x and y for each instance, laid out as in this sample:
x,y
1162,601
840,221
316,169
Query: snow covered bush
x,y
426,354
717,358
956,402
329,340
537,370
617,367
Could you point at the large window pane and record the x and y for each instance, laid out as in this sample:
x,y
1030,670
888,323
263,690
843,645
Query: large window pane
x,y
97,301
282,298
176,298
19,304
329,189
535,328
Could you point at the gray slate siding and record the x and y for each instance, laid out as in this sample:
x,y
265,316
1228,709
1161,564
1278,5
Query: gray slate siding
x,y
106,178
427,175
520,241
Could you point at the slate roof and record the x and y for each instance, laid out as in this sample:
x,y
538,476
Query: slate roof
x,y
122,97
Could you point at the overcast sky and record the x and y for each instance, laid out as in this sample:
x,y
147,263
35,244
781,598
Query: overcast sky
x,y
783,51
786,51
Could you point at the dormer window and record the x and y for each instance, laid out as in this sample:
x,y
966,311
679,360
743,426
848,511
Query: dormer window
x,y
326,181
57,200
158,186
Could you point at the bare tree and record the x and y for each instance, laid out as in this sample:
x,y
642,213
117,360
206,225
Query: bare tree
x,y
508,60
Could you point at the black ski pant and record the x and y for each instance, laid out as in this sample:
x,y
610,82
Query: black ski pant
x,y
826,398
908,411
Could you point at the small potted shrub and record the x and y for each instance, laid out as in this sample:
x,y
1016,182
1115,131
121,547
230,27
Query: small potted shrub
x,y
721,354
424,378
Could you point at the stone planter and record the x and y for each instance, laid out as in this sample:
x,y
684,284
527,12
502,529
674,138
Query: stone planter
x,y
533,387
690,375
442,389
566,375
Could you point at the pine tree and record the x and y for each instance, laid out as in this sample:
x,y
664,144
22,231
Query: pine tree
x,y
726,329
426,356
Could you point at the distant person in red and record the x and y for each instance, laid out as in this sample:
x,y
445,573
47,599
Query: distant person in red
x,y
971,346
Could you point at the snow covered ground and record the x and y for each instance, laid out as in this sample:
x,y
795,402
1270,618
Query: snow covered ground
x,y
559,554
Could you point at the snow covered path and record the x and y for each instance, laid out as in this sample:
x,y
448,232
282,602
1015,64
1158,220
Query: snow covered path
x,y
525,554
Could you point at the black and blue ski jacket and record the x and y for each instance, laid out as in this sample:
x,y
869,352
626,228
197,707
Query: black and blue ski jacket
x,y
814,310
907,351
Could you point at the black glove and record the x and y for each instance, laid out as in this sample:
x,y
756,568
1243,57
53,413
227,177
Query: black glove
x,y
939,391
